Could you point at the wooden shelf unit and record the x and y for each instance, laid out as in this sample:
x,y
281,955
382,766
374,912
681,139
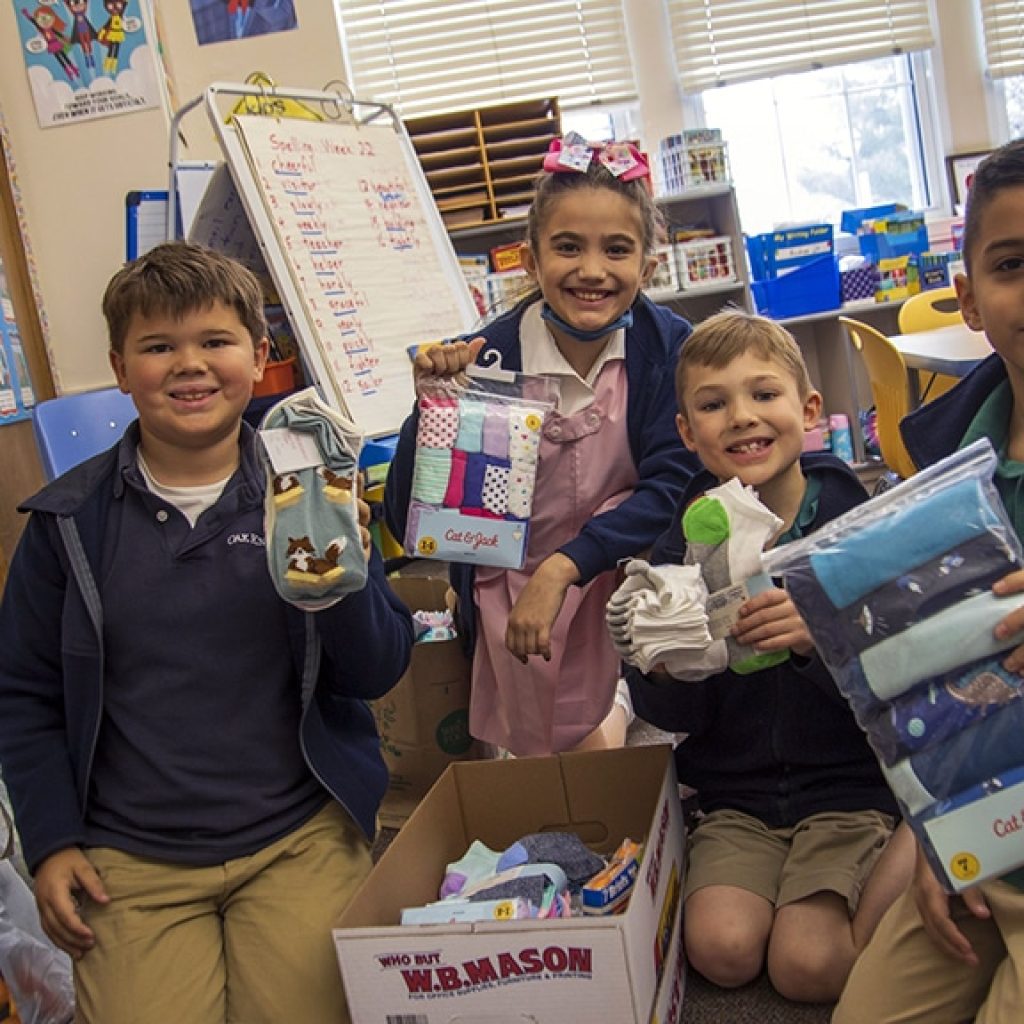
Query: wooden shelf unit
x,y
480,164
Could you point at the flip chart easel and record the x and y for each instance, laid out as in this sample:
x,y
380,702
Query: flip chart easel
x,y
352,239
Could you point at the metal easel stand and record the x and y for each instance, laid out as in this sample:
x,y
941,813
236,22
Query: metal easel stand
x,y
260,96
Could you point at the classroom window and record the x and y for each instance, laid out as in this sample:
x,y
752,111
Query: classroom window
x,y
804,147
1013,93
434,56
602,124
1002,23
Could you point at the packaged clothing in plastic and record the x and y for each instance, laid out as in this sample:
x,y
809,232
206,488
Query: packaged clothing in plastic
x,y
477,449
36,973
897,596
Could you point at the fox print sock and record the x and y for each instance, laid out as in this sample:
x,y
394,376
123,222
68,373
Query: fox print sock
x,y
314,548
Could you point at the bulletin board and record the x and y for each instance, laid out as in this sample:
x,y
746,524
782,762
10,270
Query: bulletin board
x,y
355,245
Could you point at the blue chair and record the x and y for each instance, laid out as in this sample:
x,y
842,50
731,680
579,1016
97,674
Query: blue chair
x,y
72,428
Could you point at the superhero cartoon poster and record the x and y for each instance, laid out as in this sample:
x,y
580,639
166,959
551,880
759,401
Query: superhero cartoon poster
x,y
218,21
86,58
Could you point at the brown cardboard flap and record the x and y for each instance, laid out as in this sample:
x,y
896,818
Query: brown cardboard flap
x,y
423,721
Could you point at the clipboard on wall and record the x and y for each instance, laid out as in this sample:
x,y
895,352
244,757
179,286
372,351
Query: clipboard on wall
x,y
353,241
146,211
145,221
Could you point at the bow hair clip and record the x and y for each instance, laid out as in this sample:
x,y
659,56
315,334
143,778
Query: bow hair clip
x,y
574,154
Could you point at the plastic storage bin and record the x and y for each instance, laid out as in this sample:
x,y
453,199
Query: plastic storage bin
x,y
686,165
777,251
705,261
902,234
810,288
853,220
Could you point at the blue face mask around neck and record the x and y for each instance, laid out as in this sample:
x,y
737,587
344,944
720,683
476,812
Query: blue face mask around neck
x,y
625,322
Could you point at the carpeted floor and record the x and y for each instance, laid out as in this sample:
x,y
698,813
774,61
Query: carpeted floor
x,y
757,1003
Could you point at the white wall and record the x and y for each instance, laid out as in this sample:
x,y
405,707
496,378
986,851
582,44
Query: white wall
x,y
307,57
72,179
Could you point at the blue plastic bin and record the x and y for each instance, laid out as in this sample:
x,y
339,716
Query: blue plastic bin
x,y
777,251
852,219
810,288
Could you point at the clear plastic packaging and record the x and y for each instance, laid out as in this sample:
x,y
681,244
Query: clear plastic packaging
x,y
37,973
477,450
897,596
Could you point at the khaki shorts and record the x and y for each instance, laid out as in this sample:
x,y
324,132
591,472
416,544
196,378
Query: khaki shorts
x,y
828,852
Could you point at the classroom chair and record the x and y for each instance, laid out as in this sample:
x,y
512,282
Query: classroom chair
x,y
927,311
890,389
71,428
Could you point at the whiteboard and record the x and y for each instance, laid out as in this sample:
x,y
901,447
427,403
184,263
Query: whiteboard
x,y
357,250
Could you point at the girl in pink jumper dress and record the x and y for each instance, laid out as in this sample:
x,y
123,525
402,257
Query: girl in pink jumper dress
x,y
610,465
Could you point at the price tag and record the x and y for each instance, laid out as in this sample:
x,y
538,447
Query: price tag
x,y
291,450
723,607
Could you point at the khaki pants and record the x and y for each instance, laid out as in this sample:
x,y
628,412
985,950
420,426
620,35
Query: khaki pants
x,y
902,977
244,942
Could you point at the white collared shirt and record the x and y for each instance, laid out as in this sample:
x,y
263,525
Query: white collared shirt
x,y
541,355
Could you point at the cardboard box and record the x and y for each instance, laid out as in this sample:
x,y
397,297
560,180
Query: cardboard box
x,y
423,720
626,968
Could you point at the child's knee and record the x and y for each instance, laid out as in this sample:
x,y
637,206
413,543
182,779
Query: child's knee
x,y
727,957
815,974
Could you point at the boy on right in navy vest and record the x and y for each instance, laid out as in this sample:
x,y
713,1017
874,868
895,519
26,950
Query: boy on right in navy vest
x,y
936,957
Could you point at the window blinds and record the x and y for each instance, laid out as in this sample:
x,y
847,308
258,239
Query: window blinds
x,y
431,56
721,42
1003,24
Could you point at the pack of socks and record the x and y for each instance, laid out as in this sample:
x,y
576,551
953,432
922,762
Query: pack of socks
x,y
314,548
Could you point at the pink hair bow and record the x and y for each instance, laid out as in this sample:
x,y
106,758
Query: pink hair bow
x,y
574,154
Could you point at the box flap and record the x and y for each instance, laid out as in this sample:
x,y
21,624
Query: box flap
x,y
436,835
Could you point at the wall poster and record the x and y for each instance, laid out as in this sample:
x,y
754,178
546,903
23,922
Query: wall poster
x,y
87,58
218,21
16,395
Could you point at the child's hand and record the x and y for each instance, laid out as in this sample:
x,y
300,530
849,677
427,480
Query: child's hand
x,y
529,624
933,906
444,361
58,882
770,622
1012,583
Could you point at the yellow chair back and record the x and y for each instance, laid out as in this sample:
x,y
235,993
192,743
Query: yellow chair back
x,y
890,389
925,311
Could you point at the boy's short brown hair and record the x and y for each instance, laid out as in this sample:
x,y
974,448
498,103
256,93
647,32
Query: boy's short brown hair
x,y
727,335
177,278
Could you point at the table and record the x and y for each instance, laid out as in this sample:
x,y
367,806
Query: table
x,y
954,351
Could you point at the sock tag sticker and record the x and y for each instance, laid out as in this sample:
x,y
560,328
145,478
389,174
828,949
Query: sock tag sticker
x,y
291,450
723,606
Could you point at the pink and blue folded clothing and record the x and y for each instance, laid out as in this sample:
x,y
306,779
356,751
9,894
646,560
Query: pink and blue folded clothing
x,y
541,875
473,477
